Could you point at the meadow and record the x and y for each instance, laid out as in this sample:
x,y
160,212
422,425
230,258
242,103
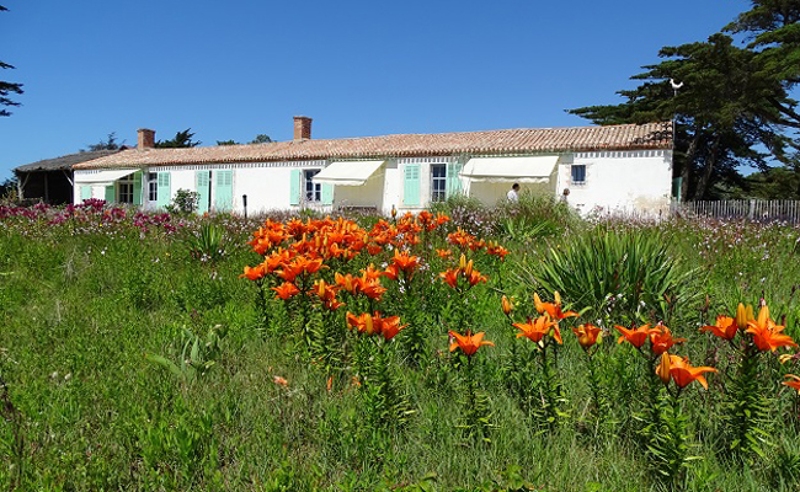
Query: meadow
x,y
301,352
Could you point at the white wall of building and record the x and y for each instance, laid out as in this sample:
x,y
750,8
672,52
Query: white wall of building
x,y
623,181
619,182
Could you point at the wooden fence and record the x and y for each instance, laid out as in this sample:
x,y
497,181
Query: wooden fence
x,y
756,210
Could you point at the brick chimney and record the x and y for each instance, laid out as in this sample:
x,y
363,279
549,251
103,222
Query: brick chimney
x,y
302,127
147,139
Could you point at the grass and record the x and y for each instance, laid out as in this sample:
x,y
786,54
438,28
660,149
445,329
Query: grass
x,y
84,302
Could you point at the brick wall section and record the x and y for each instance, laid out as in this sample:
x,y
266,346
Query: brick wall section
x,y
147,139
302,127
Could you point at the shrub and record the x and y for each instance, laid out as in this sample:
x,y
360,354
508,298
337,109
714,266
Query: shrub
x,y
623,275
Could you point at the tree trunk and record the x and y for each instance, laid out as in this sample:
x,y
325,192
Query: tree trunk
x,y
688,163
708,169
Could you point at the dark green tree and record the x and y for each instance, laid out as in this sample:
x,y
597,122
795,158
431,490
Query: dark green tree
x,y
261,138
227,142
181,140
8,88
772,28
726,102
110,143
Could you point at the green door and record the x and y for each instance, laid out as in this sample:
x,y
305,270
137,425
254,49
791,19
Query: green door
x,y
411,186
202,185
223,191
164,195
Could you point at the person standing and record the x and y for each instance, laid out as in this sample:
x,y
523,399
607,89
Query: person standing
x,y
513,193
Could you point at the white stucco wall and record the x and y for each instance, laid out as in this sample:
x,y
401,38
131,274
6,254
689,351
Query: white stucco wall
x,y
632,181
619,182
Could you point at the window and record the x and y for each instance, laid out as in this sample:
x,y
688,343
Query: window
x,y
125,190
152,187
578,173
313,191
438,182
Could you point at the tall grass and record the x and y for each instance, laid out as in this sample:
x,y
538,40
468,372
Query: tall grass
x,y
84,304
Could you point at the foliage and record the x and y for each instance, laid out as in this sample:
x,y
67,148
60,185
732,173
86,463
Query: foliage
x,y
198,356
184,202
8,88
261,139
109,144
180,140
207,244
227,142
726,102
274,413
618,274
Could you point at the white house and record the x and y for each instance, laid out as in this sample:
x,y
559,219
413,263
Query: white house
x,y
613,168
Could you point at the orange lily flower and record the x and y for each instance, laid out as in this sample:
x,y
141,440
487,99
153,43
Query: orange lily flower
x,y
588,334
681,371
450,277
793,382
444,253
474,277
286,291
370,273
363,322
661,339
348,282
492,248
280,381
468,343
552,308
254,273
725,327
766,334
372,289
635,337
405,261
536,329
391,326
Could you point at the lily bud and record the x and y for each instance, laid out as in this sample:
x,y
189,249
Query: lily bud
x,y
369,326
506,305
468,269
743,315
663,368
462,262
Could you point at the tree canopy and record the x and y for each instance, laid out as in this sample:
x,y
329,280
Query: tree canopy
x,y
110,143
731,105
181,140
7,88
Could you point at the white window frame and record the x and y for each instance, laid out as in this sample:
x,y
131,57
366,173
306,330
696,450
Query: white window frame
x,y
152,187
438,195
312,192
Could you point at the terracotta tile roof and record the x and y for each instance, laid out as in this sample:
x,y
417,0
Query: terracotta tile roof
x,y
492,142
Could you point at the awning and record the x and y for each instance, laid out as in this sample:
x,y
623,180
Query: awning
x,y
103,177
510,169
347,173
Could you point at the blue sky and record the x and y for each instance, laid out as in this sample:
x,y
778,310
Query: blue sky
x,y
235,69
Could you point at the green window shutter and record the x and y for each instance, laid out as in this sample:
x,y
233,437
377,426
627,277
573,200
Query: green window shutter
x,y
86,192
164,193
294,186
111,194
453,180
137,188
411,185
223,191
327,194
202,184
